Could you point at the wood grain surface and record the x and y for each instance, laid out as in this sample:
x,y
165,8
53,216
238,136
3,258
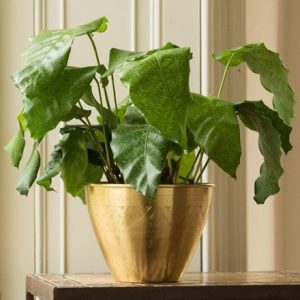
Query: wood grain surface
x,y
200,286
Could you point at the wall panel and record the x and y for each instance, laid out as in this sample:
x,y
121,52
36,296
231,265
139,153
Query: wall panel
x,y
261,222
16,212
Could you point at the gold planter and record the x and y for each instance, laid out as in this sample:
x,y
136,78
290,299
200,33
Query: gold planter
x,y
144,240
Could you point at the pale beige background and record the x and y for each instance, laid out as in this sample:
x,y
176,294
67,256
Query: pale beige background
x,y
242,235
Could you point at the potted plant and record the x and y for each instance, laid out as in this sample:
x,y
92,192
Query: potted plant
x,y
152,148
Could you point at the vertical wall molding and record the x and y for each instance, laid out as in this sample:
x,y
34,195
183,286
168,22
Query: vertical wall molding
x,y
204,90
133,20
62,192
155,23
40,208
226,235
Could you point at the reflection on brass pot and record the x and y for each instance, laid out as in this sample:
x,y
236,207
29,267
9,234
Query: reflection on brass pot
x,y
148,240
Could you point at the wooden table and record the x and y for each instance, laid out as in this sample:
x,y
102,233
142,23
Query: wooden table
x,y
200,286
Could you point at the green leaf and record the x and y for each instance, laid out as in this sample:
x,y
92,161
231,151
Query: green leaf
x,y
98,25
192,145
122,108
140,152
30,171
269,145
52,168
273,74
260,108
117,57
94,173
77,113
81,195
22,121
110,119
187,162
89,99
215,127
133,116
47,109
159,88
47,56
74,164
102,70
15,147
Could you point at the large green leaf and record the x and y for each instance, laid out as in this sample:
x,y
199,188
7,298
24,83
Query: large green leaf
x,y
215,127
140,152
159,87
269,145
117,57
48,55
47,109
74,164
52,168
30,171
15,147
273,74
94,175
260,108
94,172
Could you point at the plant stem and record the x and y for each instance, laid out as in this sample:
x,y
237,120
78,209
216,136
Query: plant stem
x,y
107,101
100,108
99,148
176,171
106,98
169,162
224,76
95,49
193,166
199,177
198,167
99,63
104,129
115,96
94,138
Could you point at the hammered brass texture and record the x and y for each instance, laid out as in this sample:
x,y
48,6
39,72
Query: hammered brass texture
x,y
148,240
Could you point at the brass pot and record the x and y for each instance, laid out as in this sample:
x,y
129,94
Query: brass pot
x,y
148,240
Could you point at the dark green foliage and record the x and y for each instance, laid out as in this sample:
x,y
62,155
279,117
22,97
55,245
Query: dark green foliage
x,y
159,133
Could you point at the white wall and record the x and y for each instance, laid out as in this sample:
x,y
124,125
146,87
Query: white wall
x,y
247,236
273,239
16,213
290,182
262,230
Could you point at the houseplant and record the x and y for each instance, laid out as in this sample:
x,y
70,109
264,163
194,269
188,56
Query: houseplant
x,y
160,135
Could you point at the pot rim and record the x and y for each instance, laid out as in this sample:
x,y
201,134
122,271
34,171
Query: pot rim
x,y
175,185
